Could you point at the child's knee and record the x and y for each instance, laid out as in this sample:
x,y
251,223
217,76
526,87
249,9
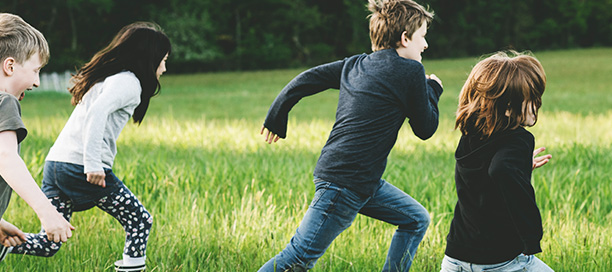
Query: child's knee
x,y
54,249
425,220
148,219
418,221
48,248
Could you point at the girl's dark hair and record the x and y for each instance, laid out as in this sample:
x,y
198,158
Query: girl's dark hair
x,y
138,48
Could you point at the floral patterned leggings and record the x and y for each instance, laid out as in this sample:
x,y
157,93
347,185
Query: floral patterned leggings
x,y
121,204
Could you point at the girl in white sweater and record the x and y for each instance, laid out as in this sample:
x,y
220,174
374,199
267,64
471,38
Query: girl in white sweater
x,y
113,87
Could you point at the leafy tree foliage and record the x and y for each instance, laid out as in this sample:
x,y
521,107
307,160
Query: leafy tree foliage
x,y
245,34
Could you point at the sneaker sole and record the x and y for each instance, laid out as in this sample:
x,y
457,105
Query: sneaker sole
x,y
129,268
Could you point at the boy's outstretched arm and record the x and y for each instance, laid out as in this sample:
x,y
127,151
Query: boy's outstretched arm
x,y
309,82
10,235
14,171
541,160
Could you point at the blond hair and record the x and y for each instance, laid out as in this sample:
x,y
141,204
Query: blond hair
x,y
20,40
493,97
390,18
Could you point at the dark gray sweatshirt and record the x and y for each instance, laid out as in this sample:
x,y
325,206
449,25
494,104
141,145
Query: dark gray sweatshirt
x,y
378,91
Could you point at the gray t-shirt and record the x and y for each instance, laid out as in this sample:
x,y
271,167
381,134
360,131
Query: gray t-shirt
x,y
10,119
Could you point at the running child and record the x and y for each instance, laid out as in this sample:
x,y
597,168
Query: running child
x,y
378,92
116,85
497,224
23,52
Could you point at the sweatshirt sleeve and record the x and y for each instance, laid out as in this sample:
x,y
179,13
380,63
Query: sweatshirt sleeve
x,y
309,82
422,103
511,169
117,92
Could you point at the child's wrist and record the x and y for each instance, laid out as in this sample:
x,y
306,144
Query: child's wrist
x,y
44,209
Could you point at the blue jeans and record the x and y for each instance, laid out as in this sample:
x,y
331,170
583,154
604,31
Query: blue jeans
x,y
333,210
67,188
520,263
68,180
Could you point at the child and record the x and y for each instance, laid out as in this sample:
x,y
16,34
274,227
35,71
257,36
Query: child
x,y
497,224
23,52
115,85
377,93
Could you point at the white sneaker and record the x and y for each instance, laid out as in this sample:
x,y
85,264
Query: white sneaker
x,y
120,267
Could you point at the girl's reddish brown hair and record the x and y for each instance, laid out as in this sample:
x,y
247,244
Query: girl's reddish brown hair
x,y
492,98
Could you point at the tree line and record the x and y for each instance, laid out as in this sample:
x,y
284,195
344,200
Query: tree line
x,y
212,35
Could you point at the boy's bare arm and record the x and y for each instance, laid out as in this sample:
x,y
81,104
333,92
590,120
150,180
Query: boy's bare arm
x,y
16,174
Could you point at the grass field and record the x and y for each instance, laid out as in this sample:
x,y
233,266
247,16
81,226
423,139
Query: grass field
x,y
222,200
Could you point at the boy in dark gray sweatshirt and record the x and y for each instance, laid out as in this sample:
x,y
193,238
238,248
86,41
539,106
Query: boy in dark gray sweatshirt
x,y
378,91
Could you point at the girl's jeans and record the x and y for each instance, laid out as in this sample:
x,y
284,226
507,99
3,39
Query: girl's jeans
x,y
119,202
334,208
520,263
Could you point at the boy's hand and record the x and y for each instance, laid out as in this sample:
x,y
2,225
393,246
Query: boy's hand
x,y
10,235
97,178
542,160
270,136
434,77
57,228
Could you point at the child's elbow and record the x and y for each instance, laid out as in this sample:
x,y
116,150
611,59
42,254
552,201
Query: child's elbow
x,y
424,128
7,156
425,133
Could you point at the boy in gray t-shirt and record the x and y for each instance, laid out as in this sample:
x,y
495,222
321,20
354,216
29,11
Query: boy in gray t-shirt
x,y
23,52
10,120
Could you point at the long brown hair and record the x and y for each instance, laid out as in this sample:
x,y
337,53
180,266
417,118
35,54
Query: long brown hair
x,y
493,96
138,48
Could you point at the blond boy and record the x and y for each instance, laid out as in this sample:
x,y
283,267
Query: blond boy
x,y
378,92
23,52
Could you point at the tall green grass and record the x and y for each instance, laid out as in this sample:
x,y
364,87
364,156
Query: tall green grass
x,y
223,200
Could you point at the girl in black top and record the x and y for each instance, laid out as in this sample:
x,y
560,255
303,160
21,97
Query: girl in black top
x,y
497,224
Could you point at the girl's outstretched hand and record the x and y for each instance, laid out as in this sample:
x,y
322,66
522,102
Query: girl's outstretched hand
x,y
541,160
270,136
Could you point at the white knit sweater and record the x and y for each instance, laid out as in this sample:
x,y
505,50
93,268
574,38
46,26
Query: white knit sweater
x,y
90,135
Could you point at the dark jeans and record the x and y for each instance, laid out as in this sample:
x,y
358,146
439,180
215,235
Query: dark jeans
x,y
333,210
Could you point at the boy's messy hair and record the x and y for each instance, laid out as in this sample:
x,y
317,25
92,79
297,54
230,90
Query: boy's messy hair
x,y
20,40
498,93
390,18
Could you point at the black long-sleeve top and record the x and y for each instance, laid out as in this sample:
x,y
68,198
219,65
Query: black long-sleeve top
x,y
377,93
496,216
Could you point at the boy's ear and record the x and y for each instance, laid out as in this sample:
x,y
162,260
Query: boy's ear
x,y
404,40
8,66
